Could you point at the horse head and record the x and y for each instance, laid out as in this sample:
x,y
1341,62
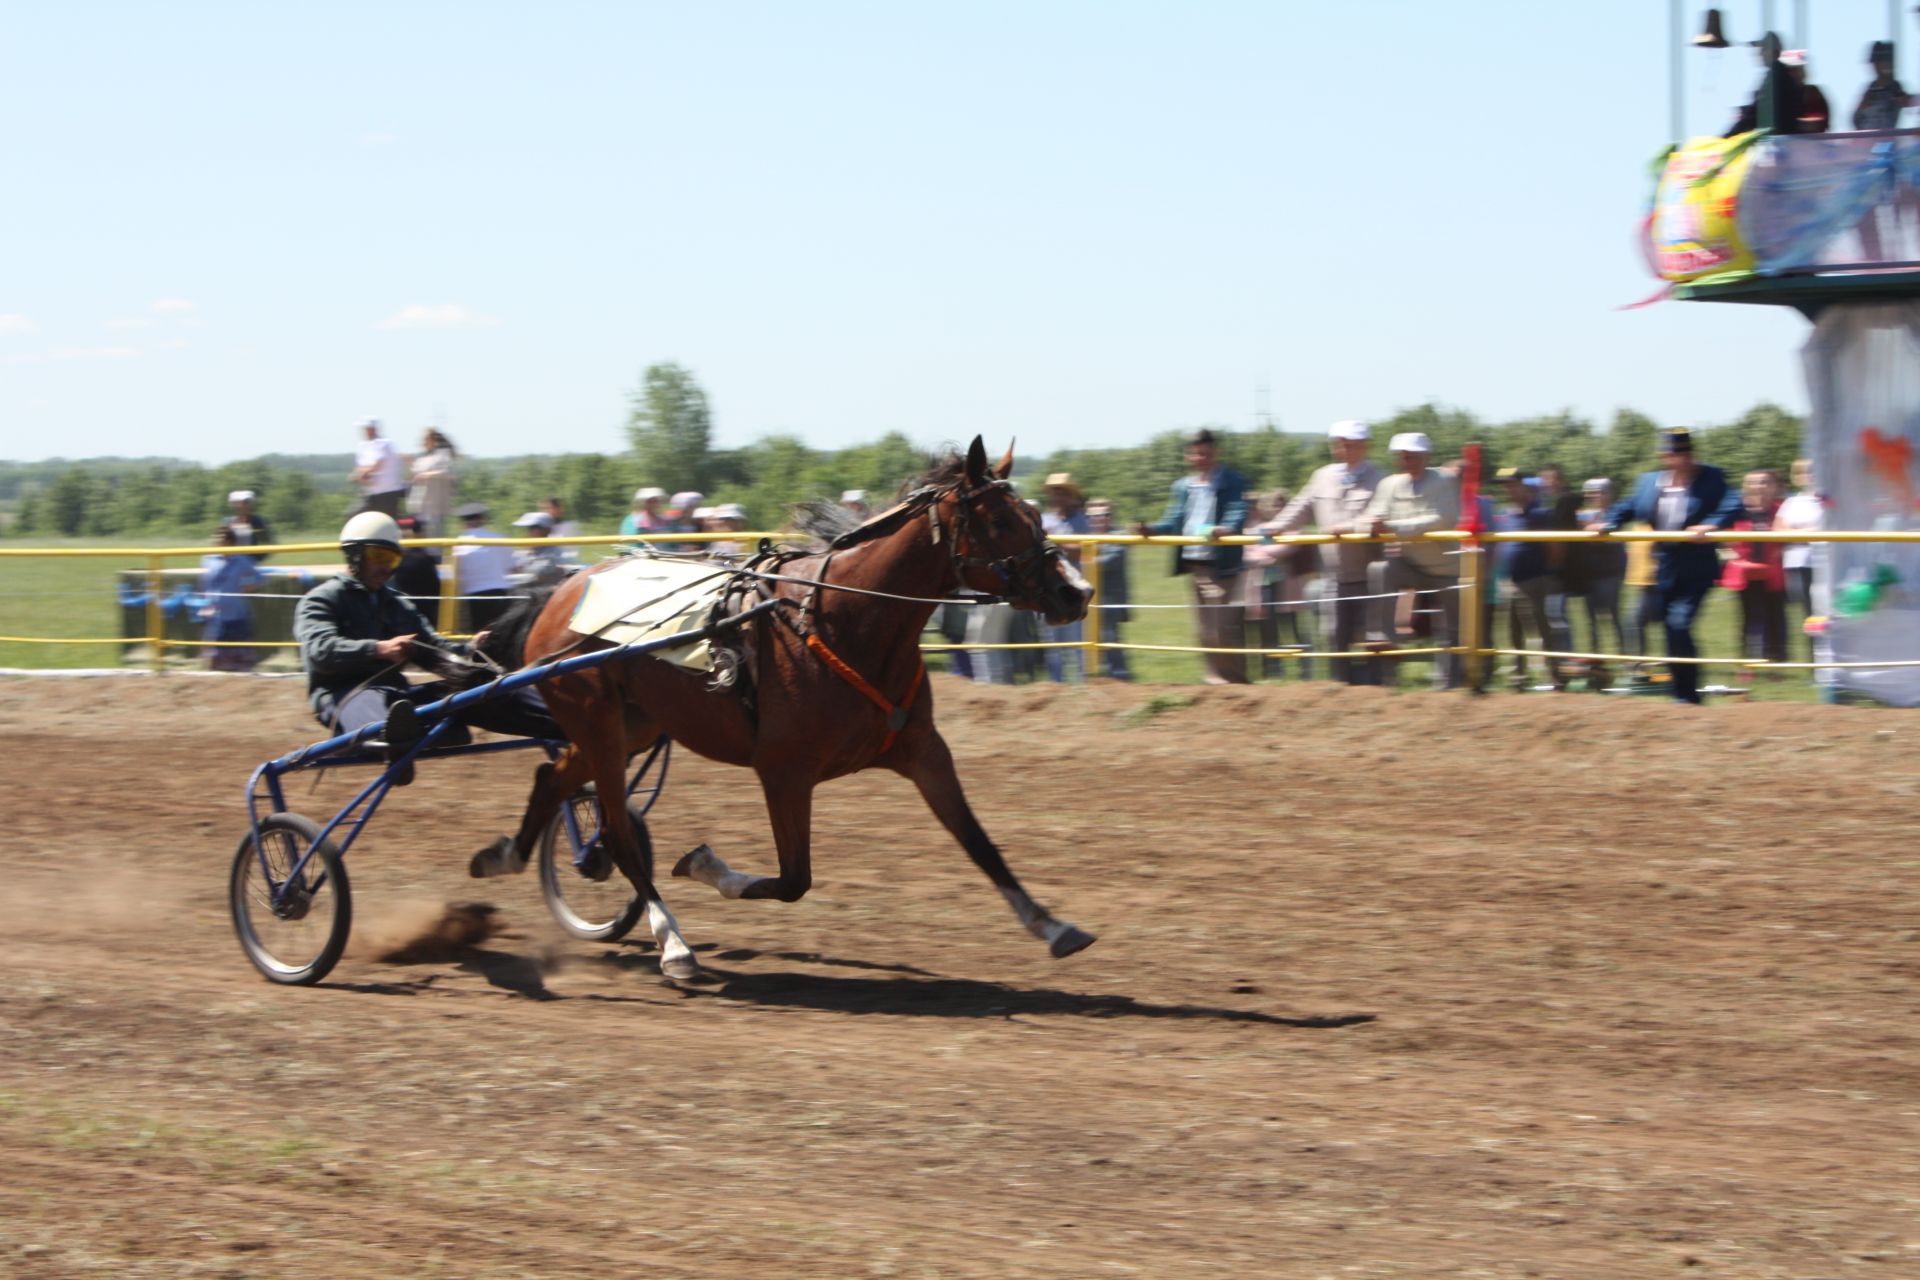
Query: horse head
x,y
1000,548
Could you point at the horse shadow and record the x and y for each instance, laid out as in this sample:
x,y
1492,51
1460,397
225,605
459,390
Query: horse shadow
x,y
918,994
898,990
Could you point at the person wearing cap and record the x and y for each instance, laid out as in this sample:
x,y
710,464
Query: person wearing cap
x,y
225,580
1882,101
1815,116
432,471
379,470
681,512
250,528
1418,499
1334,500
1683,495
1065,512
1538,602
539,564
646,516
1210,502
1779,101
484,573
855,500
357,635
728,517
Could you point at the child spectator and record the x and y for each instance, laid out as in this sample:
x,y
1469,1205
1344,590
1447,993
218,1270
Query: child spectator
x,y
1111,558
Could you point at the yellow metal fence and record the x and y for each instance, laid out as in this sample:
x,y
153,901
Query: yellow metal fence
x,y
1473,583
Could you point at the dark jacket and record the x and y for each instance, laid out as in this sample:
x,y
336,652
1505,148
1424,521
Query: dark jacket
x,y
1710,501
1230,516
1114,589
418,577
337,625
1787,97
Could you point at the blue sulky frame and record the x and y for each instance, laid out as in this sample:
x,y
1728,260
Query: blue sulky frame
x,y
350,749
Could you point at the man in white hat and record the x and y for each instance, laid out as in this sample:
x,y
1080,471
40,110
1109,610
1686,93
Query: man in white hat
x,y
1334,500
855,500
250,528
379,470
1415,501
646,516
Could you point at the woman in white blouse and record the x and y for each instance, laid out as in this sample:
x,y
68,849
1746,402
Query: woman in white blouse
x,y
431,496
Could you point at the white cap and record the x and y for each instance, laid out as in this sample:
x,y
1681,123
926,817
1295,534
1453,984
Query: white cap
x,y
703,513
1350,429
854,495
364,423
648,493
1410,442
240,495
534,520
685,499
1793,57
730,511
1598,484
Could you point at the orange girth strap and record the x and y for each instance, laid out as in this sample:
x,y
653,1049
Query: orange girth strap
x,y
896,716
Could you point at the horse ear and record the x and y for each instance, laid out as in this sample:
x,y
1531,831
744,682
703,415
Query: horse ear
x,y
1004,467
976,461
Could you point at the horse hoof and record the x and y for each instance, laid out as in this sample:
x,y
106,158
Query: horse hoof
x,y
1071,939
684,868
680,968
498,859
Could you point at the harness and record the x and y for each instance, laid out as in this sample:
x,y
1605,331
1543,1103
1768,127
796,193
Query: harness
x,y
1013,571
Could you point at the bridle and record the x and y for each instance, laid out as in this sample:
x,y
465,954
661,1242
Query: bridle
x,y
1021,574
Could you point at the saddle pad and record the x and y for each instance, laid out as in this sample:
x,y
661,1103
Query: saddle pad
x,y
641,598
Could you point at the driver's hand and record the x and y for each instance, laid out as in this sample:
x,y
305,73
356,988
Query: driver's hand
x,y
394,649
479,639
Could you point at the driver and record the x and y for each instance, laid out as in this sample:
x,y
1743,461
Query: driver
x,y
357,635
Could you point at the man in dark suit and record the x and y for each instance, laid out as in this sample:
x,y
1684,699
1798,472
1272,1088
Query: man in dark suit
x,y
1683,496
1210,502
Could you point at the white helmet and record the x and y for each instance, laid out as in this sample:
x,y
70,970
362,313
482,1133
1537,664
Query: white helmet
x,y
371,527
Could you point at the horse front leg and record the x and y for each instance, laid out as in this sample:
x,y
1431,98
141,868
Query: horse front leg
x,y
790,809
929,765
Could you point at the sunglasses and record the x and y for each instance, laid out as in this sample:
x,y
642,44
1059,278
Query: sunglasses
x,y
380,557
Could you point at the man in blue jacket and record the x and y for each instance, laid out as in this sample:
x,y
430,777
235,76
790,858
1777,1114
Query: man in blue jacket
x,y
1210,502
1683,495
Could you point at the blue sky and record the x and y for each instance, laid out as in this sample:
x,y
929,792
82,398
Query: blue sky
x,y
233,229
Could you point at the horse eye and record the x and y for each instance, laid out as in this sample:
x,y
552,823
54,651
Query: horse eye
x,y
1001,524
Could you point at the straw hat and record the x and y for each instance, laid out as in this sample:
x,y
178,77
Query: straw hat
x,y
1063,480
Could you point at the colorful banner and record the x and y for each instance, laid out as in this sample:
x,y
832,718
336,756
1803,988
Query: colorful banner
x,y
1694,229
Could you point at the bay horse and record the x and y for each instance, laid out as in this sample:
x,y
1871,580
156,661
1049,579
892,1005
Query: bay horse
x,y
837,684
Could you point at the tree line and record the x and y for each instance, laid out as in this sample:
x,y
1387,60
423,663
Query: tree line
x,y
669,430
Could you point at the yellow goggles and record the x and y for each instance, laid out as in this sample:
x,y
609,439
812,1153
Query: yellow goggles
x,y
379,557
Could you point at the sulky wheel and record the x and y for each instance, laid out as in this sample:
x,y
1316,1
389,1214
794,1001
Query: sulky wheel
x,y
299,942
597,910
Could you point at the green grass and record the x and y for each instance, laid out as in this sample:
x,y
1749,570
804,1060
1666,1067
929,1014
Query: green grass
x,y
75,597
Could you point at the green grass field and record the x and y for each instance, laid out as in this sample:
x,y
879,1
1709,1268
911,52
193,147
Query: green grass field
x,y
76,598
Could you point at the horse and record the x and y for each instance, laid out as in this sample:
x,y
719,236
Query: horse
x,y
837,687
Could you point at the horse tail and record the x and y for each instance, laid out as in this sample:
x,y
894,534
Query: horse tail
x,y
506,641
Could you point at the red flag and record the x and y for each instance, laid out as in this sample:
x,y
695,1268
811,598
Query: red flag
x,y
1470,490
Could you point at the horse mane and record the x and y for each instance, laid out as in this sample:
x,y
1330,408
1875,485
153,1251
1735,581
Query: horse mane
x,y
836,526
506,640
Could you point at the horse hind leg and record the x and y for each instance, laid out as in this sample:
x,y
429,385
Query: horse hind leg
x,y
553,782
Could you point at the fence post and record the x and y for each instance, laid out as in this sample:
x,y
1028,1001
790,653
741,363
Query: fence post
x,y
156,621
450,594
1090,638
1471,614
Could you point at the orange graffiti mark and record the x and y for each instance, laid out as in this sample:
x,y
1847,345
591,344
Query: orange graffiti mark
x,y
1890,460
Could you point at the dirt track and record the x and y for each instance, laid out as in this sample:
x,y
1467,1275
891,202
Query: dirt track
x,y
1641,979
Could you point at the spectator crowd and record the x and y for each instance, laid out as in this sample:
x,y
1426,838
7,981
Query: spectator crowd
x,y
1254,606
